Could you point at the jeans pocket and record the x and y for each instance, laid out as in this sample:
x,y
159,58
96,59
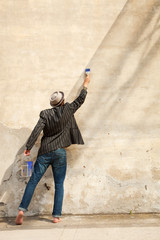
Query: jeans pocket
x,y
60,157
60,152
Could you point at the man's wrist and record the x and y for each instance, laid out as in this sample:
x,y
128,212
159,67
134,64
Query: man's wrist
x,y
85,88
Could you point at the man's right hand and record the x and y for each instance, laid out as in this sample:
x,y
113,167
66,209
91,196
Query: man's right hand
x,y
86,81
27,152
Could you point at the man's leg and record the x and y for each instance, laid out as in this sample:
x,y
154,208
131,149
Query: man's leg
x,y
59,172
38,171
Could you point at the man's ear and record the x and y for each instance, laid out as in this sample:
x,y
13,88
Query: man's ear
x,y
62,102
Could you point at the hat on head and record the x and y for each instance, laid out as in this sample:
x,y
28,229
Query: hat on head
x,y
56,98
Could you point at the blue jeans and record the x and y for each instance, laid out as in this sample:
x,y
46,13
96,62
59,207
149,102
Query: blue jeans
x,y
58,160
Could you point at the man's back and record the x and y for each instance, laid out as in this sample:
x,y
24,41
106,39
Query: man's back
x,y
59,126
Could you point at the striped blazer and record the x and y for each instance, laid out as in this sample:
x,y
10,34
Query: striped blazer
x,y
59,127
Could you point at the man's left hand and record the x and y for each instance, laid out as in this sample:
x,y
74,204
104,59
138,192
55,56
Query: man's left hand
x,y
27,152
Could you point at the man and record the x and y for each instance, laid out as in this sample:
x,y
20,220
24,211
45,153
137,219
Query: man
x,y
60,130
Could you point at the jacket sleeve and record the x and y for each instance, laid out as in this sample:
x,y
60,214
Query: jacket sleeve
x,y
78,101
36,131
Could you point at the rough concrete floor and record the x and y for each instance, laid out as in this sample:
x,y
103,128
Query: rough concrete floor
x,y
89,227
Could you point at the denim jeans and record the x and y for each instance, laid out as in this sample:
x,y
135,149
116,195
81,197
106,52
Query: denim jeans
x,y
57,160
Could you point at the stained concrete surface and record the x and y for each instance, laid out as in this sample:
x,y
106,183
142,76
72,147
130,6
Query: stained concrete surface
x,y
89,227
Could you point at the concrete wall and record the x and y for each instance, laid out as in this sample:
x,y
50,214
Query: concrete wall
x,y
45,46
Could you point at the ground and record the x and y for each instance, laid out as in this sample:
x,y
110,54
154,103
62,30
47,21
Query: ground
x,y
86,227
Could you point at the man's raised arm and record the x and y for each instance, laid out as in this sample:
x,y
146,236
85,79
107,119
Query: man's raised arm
x,y
81,98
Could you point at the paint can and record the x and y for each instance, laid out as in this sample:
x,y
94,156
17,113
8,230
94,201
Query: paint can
x,y
27,168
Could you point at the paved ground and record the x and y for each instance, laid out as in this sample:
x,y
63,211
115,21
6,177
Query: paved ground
x,y
92,227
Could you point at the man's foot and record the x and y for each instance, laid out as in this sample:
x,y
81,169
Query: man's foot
x,y
57,219
19,218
